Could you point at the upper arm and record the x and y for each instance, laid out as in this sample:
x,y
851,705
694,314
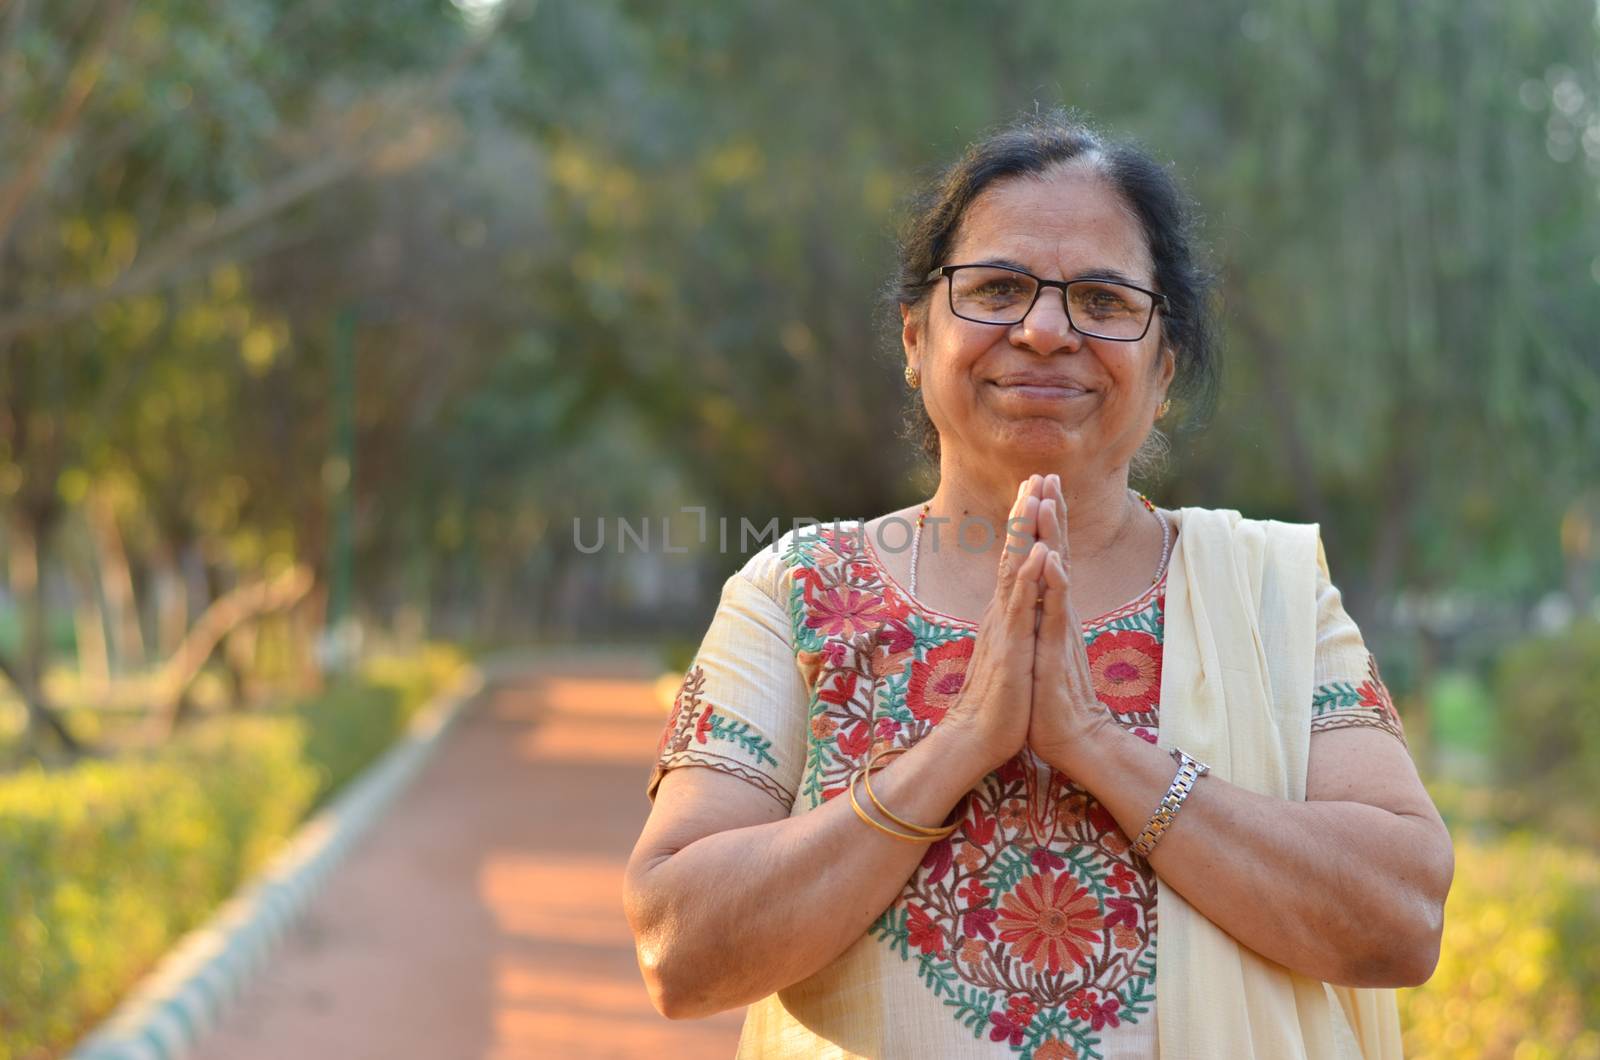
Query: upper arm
x,y
739,715
1358,750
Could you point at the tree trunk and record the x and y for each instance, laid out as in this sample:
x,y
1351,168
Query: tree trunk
x,y
28,532
116,581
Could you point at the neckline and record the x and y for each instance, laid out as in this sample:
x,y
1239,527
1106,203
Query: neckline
x,y
945,618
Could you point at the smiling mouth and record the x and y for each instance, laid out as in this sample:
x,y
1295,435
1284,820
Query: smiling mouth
x,y
1045,391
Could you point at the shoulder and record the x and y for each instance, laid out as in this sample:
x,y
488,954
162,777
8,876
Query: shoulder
x,y
775,565
1281,547
1235,525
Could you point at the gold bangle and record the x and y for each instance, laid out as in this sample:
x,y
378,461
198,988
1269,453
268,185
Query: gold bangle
x,y
921,829
882,828
1189,771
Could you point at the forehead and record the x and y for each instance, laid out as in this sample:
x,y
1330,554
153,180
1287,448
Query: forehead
x,y
1069,220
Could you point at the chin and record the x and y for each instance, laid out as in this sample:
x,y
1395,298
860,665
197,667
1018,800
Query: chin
x,y
1038,438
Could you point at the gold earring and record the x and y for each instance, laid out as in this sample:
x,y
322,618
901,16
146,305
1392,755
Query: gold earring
x,y
913,377
1162,411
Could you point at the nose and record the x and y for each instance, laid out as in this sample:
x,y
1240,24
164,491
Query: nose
x,y
1046,328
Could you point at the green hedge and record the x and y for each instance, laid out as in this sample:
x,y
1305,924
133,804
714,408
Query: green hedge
x,y
1548,692
351,724
103,865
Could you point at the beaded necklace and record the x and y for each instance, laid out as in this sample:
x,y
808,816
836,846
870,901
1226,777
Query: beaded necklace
x,y
1166,539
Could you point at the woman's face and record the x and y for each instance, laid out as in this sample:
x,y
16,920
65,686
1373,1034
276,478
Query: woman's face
x,y
1039,393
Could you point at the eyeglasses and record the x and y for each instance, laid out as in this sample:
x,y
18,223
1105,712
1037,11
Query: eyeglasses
x,y
999,294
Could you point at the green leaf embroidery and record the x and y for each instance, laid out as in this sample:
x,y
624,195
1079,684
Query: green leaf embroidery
x,y
739,732
1334,696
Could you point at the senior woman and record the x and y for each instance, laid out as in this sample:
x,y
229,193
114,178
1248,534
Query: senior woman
x,y
1123,781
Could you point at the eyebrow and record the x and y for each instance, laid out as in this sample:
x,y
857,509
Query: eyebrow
x,y
1094,274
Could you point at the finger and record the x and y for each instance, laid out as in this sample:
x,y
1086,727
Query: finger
x,y
1009,559
1050,521
1022,527
1025,591
1065,545
1054,493
1050,657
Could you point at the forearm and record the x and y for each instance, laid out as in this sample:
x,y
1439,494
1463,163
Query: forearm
x,y
1338,891
736,915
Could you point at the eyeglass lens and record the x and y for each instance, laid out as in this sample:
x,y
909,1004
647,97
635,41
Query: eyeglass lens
x,y
1094,307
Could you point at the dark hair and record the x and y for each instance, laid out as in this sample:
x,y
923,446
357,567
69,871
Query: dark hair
x,y
1028,146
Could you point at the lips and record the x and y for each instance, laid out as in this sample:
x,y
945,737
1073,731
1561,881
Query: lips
x,y
1034,379
1033,386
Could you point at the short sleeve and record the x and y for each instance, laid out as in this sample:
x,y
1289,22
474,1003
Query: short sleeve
x,y
742,705
1346,688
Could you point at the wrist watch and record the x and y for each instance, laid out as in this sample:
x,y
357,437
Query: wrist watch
x,y
1189,771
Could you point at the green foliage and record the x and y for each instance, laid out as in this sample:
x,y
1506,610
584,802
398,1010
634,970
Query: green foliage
x,y
105,864
1461,711
1548,693
1519,969
353,722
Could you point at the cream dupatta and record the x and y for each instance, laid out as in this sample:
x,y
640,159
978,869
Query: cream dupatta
x,y
1236,683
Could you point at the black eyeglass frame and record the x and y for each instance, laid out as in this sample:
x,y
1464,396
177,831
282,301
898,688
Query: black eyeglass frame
x,y
1157,299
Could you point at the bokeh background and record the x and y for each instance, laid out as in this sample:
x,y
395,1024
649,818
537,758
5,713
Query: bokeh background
x,y
322,322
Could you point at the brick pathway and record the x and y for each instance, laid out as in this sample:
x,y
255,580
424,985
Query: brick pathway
x,y
483,916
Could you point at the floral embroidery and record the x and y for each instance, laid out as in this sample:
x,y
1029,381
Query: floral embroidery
x,y
697,733
1343,705
1052,920
1126,668
843,612
1036,899
1034,924
936,681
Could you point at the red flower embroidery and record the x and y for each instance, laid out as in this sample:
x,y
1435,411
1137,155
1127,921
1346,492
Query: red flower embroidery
x,y
1120,911
978,829
936,682
978,923
1052,920
844,686
1122,878
844,612
854,743
1375,694
1126,669
1011,1025
923,933
1005,1029
1046,860
1084,1005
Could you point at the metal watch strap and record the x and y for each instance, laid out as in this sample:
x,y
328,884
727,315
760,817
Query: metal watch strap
x,y
1189,771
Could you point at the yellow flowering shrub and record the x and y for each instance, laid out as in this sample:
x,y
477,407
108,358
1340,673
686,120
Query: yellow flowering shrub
x,y
102,865
105,864
1519,969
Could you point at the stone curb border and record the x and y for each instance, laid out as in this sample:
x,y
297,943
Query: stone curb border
x,y
166,1014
